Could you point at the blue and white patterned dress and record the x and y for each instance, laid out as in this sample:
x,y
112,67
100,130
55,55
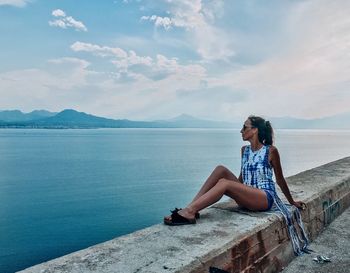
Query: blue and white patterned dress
x,y
256,169
257,172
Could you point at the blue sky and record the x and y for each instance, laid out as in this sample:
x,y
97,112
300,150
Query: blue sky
x,y
142,60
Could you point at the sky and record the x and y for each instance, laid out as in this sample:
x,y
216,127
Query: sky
x,y
146,60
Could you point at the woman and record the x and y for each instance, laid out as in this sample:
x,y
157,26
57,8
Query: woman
x,y
254,189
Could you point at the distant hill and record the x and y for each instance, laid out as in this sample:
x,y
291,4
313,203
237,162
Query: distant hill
x,y
183,117
16,115
187,121
341,121
70,118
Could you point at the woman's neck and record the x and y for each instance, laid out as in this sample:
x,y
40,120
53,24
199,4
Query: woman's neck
x,y
256,145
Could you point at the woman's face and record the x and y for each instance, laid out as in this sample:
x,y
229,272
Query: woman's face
x,y
247,130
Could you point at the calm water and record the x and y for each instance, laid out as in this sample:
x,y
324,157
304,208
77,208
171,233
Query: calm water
x,y
64,190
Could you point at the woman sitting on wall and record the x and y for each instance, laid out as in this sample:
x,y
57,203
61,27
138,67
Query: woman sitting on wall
x,y
254,189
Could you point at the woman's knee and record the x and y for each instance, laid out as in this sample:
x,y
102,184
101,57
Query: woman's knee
x,y
221,171
224,183
230,187
224,172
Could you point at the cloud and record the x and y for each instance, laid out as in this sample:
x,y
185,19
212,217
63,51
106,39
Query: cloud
x,y
185,14
58,13
15,3
65,21
132,64
77,63
102,51
197,18
303,72
165,22
58,85
310,78
135,86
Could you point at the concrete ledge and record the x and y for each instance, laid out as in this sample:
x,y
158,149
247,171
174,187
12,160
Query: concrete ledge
x,y
225,237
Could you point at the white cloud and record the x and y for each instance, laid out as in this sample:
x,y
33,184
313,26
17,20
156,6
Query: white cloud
x,y
310,78
54,87
99,50
58,23
197,18
68,73
15,3
82,64
307,77
165,22
66,21
58,13
143,85
133,59
125,62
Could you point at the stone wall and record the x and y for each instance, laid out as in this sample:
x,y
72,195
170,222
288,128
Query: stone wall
x,y
225,237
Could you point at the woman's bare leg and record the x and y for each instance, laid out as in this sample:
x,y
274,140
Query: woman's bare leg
x,y
218,173
246,196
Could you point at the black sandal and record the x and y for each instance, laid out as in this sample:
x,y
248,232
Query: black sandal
x,y
197,215
178,220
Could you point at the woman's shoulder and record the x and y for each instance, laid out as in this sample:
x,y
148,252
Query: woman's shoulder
x,y
272,148
243,148
273,151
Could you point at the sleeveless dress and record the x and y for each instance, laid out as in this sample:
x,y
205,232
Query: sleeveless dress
x,y
257,172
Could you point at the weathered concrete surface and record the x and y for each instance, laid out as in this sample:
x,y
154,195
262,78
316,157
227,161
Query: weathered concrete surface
x,y
225,237
334,243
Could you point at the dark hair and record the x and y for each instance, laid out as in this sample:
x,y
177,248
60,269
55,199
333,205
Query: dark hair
x,y
265,131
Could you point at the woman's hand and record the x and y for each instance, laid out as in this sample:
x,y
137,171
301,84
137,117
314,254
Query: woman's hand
x,y
299,204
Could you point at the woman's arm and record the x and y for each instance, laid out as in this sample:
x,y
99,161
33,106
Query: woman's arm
x,y
240,179
274,159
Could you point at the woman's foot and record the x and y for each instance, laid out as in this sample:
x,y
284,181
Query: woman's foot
x,y
180,217
185,213
196,215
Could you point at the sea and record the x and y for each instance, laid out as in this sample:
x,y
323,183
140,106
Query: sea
x,y
62,190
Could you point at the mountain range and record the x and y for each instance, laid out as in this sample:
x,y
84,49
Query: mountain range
x,y
70,118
